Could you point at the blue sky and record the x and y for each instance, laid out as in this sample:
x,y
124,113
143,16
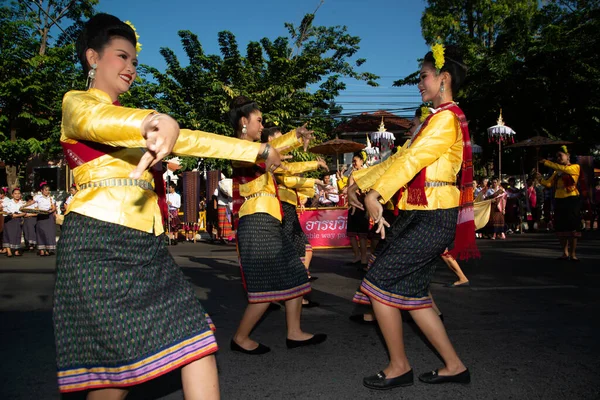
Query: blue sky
x,y
390,32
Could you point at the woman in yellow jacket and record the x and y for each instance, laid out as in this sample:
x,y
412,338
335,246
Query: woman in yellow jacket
x,y
433,213
288,184
123,311
567,204
271,269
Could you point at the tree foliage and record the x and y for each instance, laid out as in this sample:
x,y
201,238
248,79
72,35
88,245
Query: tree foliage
x,y
294,79
538,62
34,75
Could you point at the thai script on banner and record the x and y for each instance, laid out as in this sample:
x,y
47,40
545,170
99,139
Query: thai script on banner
x,y
325,227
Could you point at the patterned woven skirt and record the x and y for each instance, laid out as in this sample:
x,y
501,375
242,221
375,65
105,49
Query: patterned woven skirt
x,y
12,233
401,272
174,221
271,268
224,223
293,230
496,223
29,230
567,217
45,232
123,311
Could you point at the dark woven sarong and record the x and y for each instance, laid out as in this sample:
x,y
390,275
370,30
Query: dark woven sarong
x,y
123,311
567,216
174,221
401,271
45,232
29,230
191,196
271,269
358,223
12,233
293,230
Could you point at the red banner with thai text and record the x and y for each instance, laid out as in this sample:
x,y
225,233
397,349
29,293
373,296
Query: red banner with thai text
x,y
325,227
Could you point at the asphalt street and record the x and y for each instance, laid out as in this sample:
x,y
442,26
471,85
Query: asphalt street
x,y
527,328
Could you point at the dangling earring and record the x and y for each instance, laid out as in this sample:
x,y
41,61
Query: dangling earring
x,y
244,130
91,76
442,90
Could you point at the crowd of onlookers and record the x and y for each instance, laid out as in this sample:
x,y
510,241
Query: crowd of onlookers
x,y
520,206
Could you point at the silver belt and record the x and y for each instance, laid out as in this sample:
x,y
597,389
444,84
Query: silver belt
x,y
117,182
438,184
260,194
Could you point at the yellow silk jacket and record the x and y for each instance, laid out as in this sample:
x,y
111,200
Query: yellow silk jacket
x,y
556,181
91,116
305,194
260,193
438,148
287,183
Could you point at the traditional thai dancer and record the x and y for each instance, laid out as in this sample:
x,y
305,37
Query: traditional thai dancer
x,y
567,203
288,183
13,231
45,224
123,311
271,268
430,205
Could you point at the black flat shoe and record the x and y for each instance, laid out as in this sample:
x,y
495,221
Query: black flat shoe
x,y
353,262
316,339
434,378
380,382
360,319
313,278
310,304
261,349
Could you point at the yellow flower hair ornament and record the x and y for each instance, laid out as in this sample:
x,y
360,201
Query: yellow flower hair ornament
x,y
438,56
563,149
138,46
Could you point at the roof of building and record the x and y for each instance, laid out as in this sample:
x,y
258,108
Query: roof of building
x,y
369,122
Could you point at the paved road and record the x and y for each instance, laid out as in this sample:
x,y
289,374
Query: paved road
x,y
527,328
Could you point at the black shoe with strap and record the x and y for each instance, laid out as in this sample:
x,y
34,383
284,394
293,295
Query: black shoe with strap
x,y
381,382
434,377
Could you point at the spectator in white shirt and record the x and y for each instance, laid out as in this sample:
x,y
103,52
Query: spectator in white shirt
x,y
328,194
174,203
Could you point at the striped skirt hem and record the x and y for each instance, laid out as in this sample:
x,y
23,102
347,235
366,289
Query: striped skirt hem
x,y
279,295
150,367
369,291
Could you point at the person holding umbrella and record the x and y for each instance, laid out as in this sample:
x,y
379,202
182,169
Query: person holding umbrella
x,y
567,218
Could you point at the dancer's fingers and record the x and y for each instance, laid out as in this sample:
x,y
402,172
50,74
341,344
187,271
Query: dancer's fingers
x,y
146,161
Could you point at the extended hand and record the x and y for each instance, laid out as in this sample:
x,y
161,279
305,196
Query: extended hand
x,y
322,163
161,133
305,134
274,160
542,161
353,200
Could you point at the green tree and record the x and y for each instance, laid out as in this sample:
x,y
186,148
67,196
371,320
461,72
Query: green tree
x,y
536,61
32,83
294,79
